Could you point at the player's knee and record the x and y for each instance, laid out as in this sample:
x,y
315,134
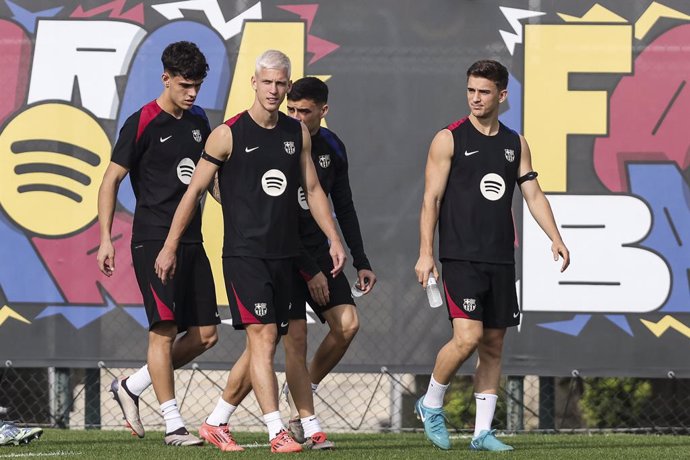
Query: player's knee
x,y
491,350
465,344
262,339
295,346
207,341
345,329
163,333
349,330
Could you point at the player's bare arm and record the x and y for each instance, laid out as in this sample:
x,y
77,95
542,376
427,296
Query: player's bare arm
x,y
540,208
217,150
318,203
435,179
214,188
107,197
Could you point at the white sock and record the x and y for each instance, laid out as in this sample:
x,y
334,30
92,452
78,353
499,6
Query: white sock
x,y
274,424
310,425
171,414
314,387
139,381
434,394
221,413
486,406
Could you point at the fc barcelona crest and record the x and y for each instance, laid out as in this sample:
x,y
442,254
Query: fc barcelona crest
x,y
260,309
469,305
510,155
197,135
324,160
289,147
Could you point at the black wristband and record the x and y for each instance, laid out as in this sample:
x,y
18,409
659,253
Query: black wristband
x,y
211,159
529,176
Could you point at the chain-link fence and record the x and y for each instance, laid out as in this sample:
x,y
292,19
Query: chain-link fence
x,y
351,402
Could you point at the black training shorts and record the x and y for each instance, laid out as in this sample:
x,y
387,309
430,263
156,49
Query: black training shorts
x,y
189,299
259,290
481,291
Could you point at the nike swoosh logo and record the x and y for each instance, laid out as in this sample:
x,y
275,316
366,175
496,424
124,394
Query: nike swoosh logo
x,y
515,315
471,153
165,139
283,324
247,149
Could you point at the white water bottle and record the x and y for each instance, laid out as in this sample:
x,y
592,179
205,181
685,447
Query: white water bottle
x,y
356,291
433,293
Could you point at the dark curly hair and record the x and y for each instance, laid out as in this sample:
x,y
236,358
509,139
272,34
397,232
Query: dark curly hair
x,y
491,70
184,59
309,88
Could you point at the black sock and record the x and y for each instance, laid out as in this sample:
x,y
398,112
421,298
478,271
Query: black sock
x,y
181,431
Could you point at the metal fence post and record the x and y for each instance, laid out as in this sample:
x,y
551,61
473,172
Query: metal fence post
x,y
92,398
396,398
60,396
515,396
547,403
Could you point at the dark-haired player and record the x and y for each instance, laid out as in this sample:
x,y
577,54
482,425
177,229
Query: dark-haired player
x,y
159,146
329,297
471,172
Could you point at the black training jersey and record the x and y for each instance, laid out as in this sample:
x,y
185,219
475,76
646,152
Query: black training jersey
x,y
161,153
475,221
258,186
330,160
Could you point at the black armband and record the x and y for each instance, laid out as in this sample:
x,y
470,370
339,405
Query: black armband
x,y
529,176
211,159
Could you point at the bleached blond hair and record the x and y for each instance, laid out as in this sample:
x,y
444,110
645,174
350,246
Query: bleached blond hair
x,y
273,59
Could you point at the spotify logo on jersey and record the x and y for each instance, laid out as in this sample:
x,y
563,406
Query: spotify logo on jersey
x,y
492,187
302,199
274,182
185,169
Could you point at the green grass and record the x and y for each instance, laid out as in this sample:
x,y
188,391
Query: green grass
x,y
122,446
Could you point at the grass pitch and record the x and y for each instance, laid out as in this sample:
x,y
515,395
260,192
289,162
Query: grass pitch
x,y
121,445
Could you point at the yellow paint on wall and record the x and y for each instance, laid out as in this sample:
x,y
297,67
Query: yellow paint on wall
x,y
666,323
652,14
551,110
596,13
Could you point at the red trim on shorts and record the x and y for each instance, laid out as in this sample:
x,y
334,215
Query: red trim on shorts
x,y
455,311
148,113
232,120
306,276
455,124
164,312
245,315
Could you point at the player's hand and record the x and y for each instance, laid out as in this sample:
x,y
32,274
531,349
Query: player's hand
x,y
425,265
106,258
366,279
318,288
338,256
558,249
165,265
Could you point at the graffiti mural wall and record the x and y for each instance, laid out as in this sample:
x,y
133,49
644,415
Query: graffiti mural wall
x,y
600,90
